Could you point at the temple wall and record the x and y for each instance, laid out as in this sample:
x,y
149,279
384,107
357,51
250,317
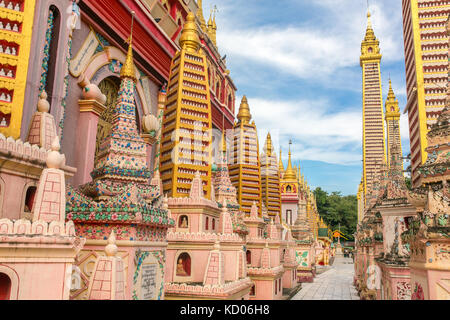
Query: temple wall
x,y
231,258
274,257
133,257
147,89
289,206
45,273
36,58
256,256
14,195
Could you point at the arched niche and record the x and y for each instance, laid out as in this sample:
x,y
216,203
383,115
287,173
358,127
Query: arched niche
x,y
2,195
183,222
27,199
52,51
183,267
109,86
9,283
248,255
106,58
5,286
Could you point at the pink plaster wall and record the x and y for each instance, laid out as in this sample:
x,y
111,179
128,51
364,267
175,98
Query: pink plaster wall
x,y
131,266
289,206
256,256
14,195
265,290
289,281
40,281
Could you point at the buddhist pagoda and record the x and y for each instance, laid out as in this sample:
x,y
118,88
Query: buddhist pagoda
x,y
270,179
244,161
186,133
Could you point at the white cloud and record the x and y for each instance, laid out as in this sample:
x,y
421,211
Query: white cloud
x,y
316,51
321,48
318,134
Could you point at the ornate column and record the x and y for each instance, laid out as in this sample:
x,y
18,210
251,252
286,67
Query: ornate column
x,y
90,111
91,107
151,126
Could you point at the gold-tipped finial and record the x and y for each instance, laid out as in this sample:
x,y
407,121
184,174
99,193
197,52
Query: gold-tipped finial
x,y
189,39
128,69
280,164
269,146
392,108
200,16
111,247
370,34
224,142
214,28
244,111
290,172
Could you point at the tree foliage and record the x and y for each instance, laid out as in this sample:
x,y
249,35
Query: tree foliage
x,y
336,209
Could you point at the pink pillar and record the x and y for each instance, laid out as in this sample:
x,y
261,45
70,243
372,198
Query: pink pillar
x,y
90,111
149,141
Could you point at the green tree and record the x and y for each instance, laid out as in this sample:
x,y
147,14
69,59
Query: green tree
x,y
337,210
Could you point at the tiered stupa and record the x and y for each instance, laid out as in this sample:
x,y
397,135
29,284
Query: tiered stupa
x,y
121,198
265,267
270,179
225,191
244,162
186,135
429,231
207,234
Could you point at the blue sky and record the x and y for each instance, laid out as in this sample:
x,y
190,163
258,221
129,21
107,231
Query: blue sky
x,y
298,63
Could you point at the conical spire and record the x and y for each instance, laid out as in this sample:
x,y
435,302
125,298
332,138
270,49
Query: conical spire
x,y
224,143
123,153
370,34
214,30
280,164
128,69
392,109
212,27
370,47
200,16
189,39
290,172
244,111
268,147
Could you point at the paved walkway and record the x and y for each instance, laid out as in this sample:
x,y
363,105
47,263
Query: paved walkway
x,y
334,284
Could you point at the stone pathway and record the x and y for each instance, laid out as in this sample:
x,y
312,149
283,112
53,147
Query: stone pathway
x,y
334,284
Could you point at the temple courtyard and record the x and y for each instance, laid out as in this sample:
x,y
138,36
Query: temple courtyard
x,y
336,283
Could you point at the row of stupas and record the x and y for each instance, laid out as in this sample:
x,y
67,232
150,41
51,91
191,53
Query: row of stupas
x,y
137,208
402,239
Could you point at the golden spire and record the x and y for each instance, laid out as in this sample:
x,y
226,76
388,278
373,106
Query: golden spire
x,y
200,16
214,29
269,146
392,109
209,29
280,164
244,111
290,173
370,35
370,47
128,70
189,39
224,142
